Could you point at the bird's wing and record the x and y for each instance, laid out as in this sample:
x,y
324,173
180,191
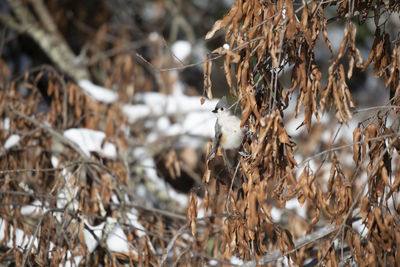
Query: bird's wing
x,y
217,138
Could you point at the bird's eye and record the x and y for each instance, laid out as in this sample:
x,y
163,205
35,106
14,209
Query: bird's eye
x,y
222,109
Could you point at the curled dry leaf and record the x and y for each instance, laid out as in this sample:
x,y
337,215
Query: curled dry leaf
x,y
191,214
291,27
357,145
207,79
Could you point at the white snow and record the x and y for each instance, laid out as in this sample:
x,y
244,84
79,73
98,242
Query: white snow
x,y
193,121
276,214
54,161
201,212
90,241
109,150
98,92
11,141
213,262
116,240
90,140
134,221
136,112
294,204
292,124
235,260
6,124
177,103
33,210
181,49
163,123
67,197
283,13
71,262
145,160
21,238
154,36
199,123
359,227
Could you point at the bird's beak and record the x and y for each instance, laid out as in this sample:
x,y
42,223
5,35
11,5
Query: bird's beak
x,y
215,111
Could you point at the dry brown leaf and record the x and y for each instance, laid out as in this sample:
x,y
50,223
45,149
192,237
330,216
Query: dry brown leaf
x,y
343,44
357,145
207,85
227,71
291,27
191,214
372,54
222,23
217,26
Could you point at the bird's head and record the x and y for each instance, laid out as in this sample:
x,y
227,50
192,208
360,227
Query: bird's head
x,y
222,107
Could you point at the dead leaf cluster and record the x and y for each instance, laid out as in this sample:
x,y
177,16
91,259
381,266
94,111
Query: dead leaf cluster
x,y
262,39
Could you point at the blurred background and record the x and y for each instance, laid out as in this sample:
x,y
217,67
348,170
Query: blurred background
x,y
123,79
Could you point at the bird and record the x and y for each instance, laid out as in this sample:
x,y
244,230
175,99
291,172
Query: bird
x,y
228,133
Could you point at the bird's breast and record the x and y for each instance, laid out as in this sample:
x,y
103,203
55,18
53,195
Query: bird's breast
x,y
231,138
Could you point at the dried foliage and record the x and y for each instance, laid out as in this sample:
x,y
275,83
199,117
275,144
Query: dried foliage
x,y
265,38
30,180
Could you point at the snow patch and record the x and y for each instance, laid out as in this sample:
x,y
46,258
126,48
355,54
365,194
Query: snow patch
x,y
90,140
181,49
136,112
33,210
6,124
11,141
193,121
276,214
90,240
22,240
294,204
117,240
98,92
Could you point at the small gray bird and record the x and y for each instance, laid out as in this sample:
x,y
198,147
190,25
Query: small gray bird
x,y
228,133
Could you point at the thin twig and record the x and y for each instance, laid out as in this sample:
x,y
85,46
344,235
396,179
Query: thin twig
x,y
171,244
